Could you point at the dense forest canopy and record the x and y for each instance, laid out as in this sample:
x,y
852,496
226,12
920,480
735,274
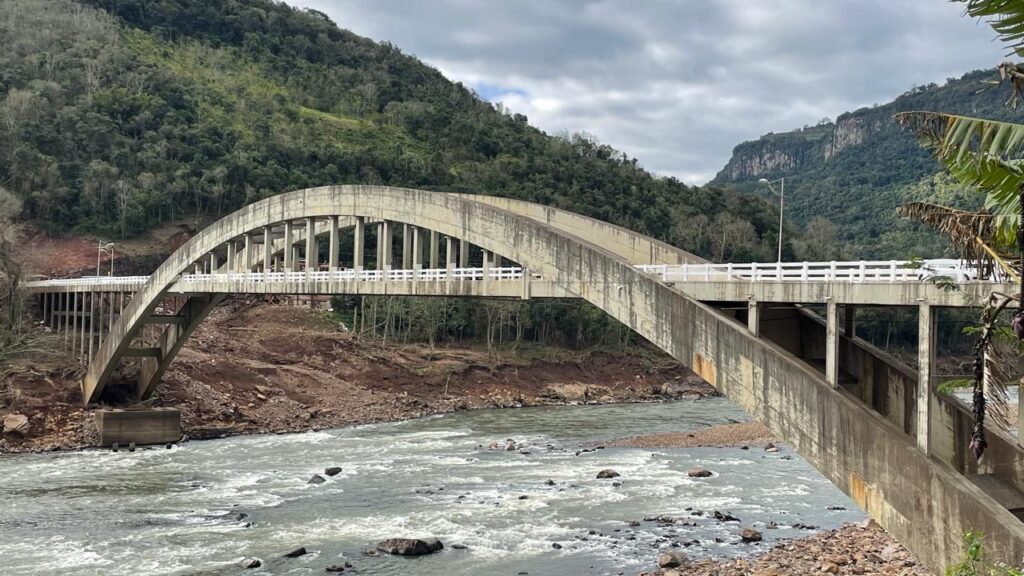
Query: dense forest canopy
x,y
118,115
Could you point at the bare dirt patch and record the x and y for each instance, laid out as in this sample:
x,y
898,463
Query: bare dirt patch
x,y
724,435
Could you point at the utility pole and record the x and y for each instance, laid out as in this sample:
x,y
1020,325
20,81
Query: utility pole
x,y
781,193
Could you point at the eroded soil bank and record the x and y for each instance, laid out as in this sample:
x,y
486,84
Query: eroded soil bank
x,y
256,368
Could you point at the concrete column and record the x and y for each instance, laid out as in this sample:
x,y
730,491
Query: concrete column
x,y
832,344
92,321
449,254
247,254
435,243
407,232
380,246
312,248
754,317
359,244
925,363
74,320
417,248
849,322
486,267
54,304
110,315
289,253
100,312
332,249
198,269
64,316
526,284
214,264
268,249
81,336
386,229
463,254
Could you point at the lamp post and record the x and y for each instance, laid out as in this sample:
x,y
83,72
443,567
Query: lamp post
x,y
101,249
781,193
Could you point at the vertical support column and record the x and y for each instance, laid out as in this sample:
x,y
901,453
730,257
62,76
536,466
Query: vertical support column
x,y
849,321
526,283
486,267
754,317
463,254
832,344
407,232
380,246
74,321
268,250
81,336
214,264
435,245
289,261
417,250
54,304
92,321
332,249
66,299
925,363
359,244
385,241
449,255
110,315
312,248
247,254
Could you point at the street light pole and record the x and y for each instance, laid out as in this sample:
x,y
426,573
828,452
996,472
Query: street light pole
x,y
782,199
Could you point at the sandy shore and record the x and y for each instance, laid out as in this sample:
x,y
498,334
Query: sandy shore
x,y
726,435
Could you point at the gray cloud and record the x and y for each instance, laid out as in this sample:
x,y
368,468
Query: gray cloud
x,y
678,83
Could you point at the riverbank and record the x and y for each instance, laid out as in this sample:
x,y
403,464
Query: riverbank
x,y
255,368
852,549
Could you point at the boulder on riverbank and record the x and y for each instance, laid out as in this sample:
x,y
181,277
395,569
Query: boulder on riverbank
x,y
673,559
16,424
750,535
410,546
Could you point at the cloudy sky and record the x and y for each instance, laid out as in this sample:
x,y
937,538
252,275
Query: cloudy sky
x,y
678,83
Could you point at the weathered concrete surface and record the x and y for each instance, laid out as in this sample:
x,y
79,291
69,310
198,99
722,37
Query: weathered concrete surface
x,y
156,426
969,294
926,504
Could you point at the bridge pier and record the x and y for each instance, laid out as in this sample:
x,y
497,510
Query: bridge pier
x,y
407,246
463,253
434,249
925,363
312,249
384,246
754,317
358,244
289,251
832,343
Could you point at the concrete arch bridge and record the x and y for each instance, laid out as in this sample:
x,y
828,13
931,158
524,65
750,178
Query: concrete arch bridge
x,y
877,428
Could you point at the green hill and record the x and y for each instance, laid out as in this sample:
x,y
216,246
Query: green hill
x,y
120,114
857,170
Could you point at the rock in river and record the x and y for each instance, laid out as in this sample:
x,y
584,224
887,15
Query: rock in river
x,y
410,546
250,563
672,559
333,470
698,472
750,535
301,551
608,474
317,479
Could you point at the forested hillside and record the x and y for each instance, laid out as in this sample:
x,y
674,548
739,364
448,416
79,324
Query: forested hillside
x,y
118,115
850,175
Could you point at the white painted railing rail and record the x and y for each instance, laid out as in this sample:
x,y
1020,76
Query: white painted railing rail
x,y
858,271
855,271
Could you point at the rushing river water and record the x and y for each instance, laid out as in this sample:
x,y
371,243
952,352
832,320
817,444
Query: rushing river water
x,y
177,511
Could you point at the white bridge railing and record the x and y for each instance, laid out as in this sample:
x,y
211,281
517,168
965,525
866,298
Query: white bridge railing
x,y
862,271
436,274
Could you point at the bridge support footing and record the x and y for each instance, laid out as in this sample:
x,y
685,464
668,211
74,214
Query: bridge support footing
x,y
156,426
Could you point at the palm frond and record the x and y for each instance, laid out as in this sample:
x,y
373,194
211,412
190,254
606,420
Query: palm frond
x,y
983,153
967,231
1006,17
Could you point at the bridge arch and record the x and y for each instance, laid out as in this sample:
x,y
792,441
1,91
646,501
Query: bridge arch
x,y
861,452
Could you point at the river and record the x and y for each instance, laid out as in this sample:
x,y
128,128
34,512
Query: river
x,y
178,511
